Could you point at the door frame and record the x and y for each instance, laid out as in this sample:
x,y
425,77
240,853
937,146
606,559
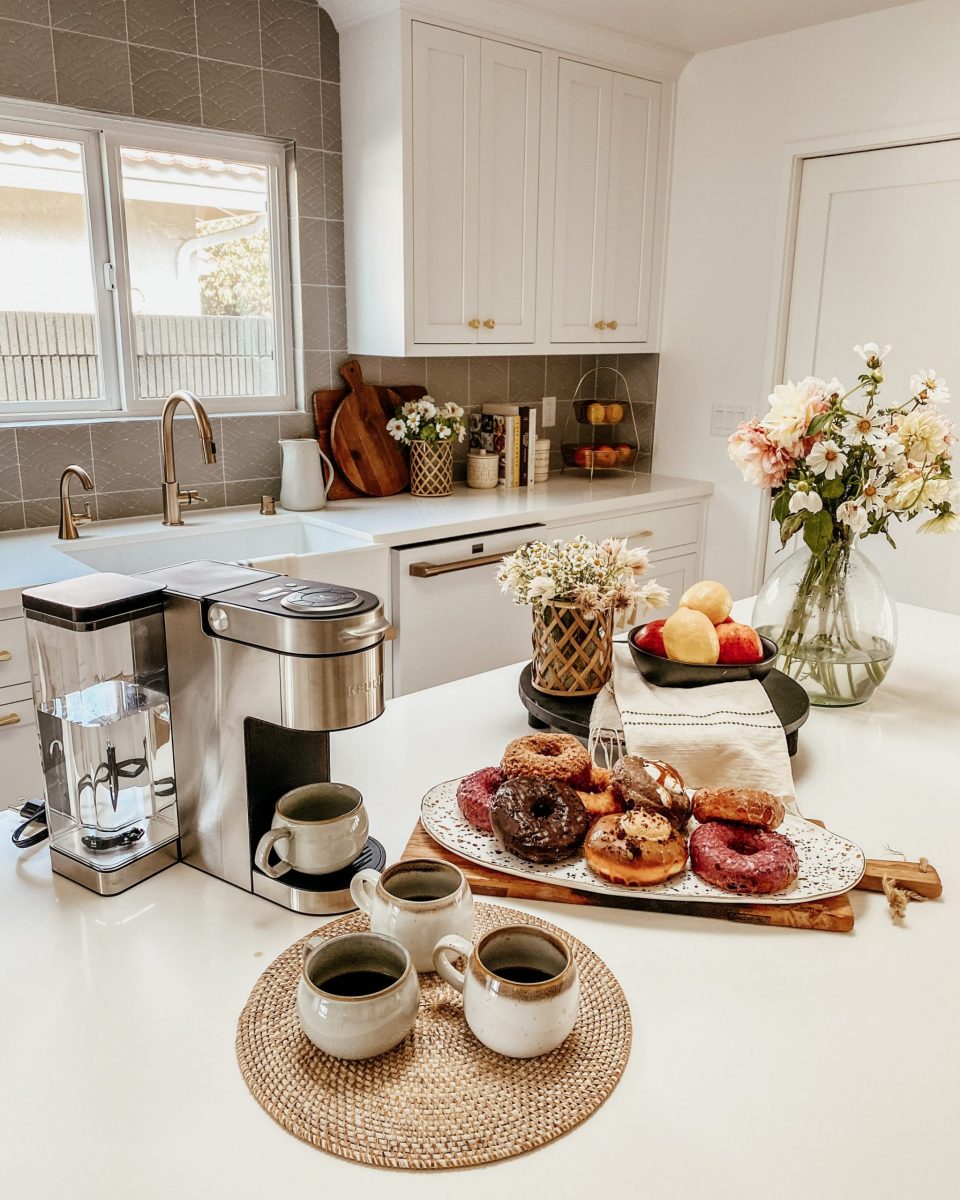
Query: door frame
x,y
794,155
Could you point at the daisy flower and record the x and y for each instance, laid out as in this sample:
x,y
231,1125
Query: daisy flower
x,y
827,459
873,497
864,429
871,353
853,515
928,387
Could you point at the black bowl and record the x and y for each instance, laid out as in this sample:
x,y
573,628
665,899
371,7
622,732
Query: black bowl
x,y
666,672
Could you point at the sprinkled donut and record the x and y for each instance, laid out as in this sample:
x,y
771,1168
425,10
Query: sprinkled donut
x,y
556,756
743,858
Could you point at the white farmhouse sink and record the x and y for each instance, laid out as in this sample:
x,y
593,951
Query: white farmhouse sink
x,y
225,535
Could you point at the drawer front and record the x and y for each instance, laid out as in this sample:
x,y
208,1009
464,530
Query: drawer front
x,y
14,665
657,529
676,574
21,776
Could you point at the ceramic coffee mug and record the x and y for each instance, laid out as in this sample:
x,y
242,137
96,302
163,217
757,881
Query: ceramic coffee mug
x,y
416,902
358,994
521,990
316,829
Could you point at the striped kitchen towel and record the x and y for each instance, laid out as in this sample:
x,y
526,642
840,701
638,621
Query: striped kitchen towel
x,y
726,734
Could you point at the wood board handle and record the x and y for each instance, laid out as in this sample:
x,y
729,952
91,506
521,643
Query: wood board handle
x,y
922,879
352,372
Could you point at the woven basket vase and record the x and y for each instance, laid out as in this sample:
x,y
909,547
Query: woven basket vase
x,y
431,468
572,653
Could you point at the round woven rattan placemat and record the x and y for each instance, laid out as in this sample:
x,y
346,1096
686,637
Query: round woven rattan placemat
x,y
440,1099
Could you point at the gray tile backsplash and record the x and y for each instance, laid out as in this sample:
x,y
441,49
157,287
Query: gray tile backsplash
x,y
255,66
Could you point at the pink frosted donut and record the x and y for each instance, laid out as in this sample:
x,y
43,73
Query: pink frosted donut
x,y
474,793
743,858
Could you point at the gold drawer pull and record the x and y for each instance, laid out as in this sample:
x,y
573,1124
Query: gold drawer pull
x,y
489,323
427,570
10,719
475,323
611,324
599,324
5,656
644,533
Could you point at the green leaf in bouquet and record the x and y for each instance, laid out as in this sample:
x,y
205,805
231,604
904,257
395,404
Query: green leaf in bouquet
x,y
832,489
819,423
818,532
790,525
781,505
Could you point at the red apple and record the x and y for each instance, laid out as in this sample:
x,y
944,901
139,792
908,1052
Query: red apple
x,y
650,638
624,452
605,456
739,643
726,621
583,456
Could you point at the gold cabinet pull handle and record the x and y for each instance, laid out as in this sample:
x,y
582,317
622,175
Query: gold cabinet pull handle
x,y
427,570
489,323
10,719
599,324
475,323
5,656
611,324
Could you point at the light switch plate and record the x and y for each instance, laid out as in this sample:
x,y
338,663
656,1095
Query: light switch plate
x,y
549,411
724,419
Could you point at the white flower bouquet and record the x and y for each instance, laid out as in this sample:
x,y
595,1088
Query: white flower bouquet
x,y
595,577
424,420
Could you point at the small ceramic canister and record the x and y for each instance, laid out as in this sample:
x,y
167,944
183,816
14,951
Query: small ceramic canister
x,y
482,469
521,990
318,828
417,902
358,994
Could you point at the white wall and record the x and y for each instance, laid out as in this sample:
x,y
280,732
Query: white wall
x,y
739,109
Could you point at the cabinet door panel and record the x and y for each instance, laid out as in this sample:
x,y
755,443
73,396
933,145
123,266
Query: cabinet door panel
x,y
676,575
446,131
631,206
508,180
19,753
583,167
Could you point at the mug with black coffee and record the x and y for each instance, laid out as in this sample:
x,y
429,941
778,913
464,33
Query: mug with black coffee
x,y
358,994
521,989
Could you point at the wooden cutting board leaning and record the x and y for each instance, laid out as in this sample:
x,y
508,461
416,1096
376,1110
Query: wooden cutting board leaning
x,y
371,461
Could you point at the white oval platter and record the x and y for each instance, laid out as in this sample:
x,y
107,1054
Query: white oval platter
x,y
829,864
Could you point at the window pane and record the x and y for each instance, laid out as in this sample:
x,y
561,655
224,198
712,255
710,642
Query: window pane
x,y
198,237
49,347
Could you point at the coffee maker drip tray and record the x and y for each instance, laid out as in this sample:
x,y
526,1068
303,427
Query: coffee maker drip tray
x,y
318,895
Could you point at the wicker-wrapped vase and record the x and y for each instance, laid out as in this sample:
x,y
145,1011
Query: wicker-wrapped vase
x,y
431,468
572,653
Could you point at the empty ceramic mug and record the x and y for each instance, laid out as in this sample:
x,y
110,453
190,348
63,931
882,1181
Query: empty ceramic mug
x,y
358,994
521,990
316,829
416,902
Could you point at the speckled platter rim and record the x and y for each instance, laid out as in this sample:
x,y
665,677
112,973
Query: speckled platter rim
x,y
830,865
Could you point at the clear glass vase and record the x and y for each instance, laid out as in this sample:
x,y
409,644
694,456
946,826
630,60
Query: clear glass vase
x,y
834,621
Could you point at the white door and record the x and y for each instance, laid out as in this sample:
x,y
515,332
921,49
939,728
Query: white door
x,y
446,131
631,209
508,181
878,259
582,182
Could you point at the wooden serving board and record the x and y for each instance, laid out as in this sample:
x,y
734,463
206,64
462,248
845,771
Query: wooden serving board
x,y
370,459
833,915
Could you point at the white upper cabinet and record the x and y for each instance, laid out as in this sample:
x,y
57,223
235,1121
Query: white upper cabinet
x,y
495,195
605,210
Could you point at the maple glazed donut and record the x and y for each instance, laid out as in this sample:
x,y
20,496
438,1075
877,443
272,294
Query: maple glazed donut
x,y
474,793
538,819
556,756
745,806
743,858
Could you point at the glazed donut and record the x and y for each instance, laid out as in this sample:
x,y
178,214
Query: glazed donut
x,y
636,849
538,820
556,756
474,793
746,806
649,783
598,796
743,858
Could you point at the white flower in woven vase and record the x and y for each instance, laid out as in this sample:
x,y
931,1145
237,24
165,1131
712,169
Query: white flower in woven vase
x,y
805,502
792,408
853,515
924,434
443,432
654,595
638,559
396,429
826,459
541,588
928,387
587,598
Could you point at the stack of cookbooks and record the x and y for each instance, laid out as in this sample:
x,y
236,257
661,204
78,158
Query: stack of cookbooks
x,y
509,430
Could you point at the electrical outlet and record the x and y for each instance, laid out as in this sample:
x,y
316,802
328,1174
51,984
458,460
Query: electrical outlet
x,y
549,411
724,419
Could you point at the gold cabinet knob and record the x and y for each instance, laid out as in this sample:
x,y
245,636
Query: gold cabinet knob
x,y
475,323
611,324
489,323
5,656
10,719
599,324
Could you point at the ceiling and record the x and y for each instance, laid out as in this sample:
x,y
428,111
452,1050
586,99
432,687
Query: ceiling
x,y
696,25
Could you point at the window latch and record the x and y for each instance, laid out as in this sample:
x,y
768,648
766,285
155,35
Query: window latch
x,y
109,276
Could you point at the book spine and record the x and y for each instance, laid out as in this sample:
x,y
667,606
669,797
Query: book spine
x,y
524,443
531,447
501,444
515,425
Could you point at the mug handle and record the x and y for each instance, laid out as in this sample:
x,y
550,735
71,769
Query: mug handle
x,y
361,889
265,845
454,946
310,944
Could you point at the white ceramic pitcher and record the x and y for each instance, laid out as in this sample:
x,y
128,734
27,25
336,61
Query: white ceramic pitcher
x,y
302,488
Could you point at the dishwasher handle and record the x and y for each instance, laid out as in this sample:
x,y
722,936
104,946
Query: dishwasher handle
x,y
427,570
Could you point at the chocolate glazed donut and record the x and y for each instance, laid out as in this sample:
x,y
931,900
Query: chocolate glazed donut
x,y
538,820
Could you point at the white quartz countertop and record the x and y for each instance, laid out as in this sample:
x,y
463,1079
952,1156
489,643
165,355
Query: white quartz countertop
x,y
35,556
766,1062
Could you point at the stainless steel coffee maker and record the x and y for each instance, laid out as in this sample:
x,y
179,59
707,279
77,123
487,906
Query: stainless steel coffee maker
x,y
262,668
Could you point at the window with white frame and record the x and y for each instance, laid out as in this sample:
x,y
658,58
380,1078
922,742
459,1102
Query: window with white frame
x,y
136,259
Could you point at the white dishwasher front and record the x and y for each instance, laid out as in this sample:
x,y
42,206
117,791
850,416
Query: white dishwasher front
x,y
450,617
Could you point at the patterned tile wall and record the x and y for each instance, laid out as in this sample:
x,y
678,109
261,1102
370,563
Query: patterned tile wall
x,y
254,66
